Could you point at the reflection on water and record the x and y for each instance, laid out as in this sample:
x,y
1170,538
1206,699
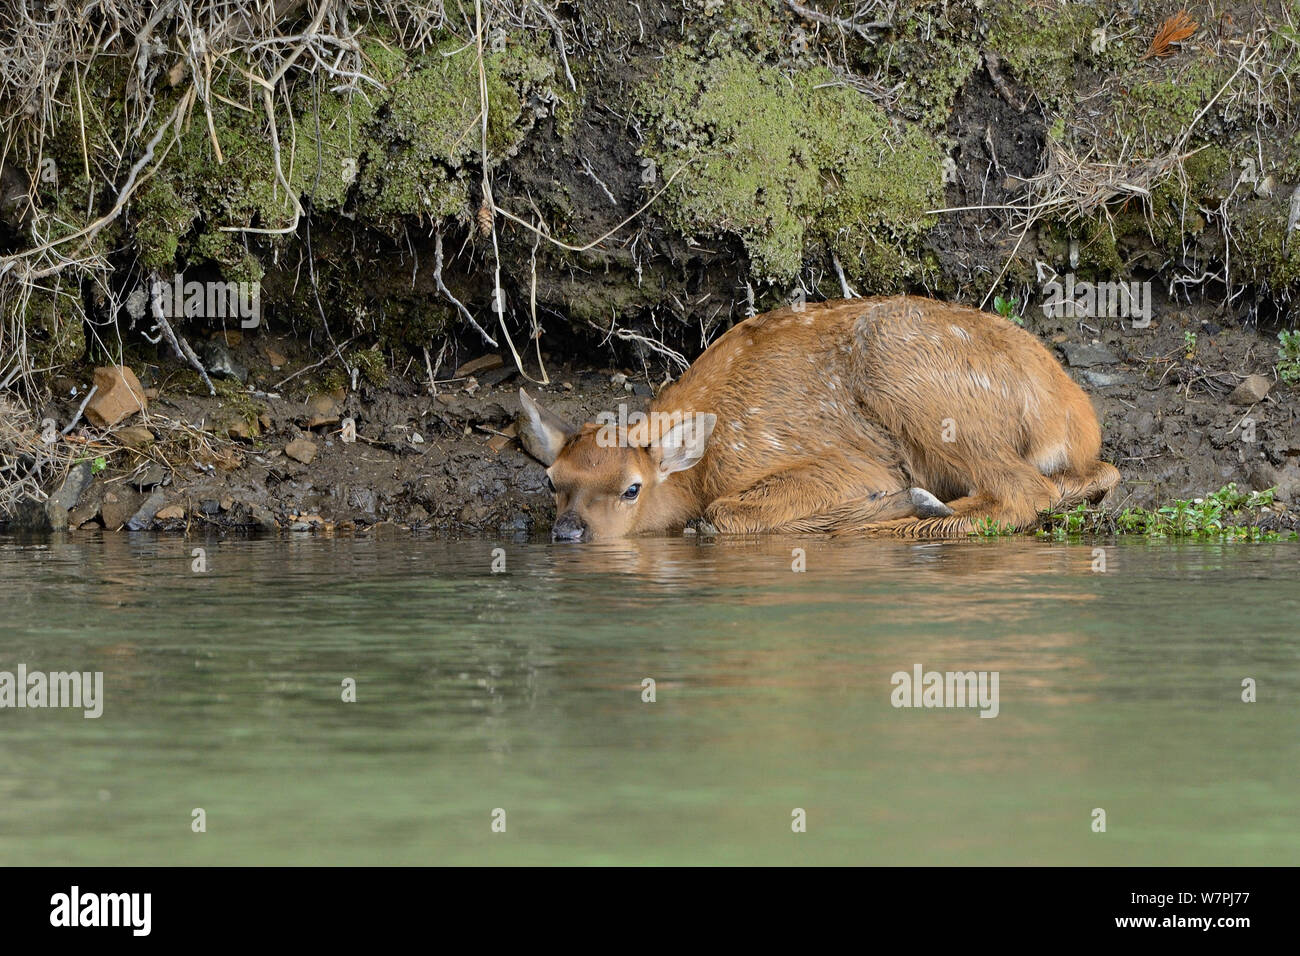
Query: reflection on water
x,y
523,691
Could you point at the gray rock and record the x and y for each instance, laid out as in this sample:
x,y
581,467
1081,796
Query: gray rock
x,y
1086,354
362,499
498,375
149,476
143,518
1099,379
262,516
88,507
30,516
65,499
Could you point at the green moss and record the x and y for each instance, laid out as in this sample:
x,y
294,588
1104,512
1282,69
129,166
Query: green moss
x,y
371,364
431,128
336,129
1155,110
161,217
330,381
1098,251
412,324
1043,46
56,334
928,59
784,161
1262,255
237,264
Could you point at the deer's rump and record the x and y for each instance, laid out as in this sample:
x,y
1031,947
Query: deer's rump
x,y
876,395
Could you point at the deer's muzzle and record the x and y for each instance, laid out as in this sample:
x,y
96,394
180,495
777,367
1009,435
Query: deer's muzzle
x,y
569,527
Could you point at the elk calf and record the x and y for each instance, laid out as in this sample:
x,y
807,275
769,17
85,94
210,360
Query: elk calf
x,y
902,416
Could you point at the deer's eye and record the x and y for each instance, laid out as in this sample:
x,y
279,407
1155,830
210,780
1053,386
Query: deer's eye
x,y
632,492
550,485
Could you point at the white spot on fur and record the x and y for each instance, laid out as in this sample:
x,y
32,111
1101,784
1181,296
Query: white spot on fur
x,y
961,333
1051,460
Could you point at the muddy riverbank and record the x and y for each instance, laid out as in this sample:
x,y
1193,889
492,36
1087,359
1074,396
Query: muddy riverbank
x,y
598,190
1179,420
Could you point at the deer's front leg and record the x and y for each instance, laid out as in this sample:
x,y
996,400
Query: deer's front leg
x,y
815,499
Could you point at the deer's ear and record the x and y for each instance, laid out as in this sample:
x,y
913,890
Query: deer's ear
x,y
684,443
542,433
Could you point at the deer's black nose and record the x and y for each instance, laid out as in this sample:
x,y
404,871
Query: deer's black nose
x,y
568,527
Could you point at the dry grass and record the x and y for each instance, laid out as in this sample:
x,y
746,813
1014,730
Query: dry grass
x,y
190,46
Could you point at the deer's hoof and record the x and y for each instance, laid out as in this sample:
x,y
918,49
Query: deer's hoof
x,y
927,505
703,527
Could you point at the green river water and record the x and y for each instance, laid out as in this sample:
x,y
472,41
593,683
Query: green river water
x,y
522,691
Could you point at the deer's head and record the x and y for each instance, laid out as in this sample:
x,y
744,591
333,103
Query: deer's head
x,y
612,480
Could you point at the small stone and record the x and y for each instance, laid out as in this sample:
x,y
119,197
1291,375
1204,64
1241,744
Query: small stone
x,y
498,375
324,410
483,363
118,396
1251,391
119,507
65,499
151,475
227,503
262,517
1085,354
135,436
300,449
275,356
1098,379
240,429
170,513
145,514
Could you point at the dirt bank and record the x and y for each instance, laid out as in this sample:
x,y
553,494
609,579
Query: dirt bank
x,y
442,459
613,185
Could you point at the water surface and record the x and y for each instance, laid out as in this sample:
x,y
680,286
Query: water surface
x,y
522,691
